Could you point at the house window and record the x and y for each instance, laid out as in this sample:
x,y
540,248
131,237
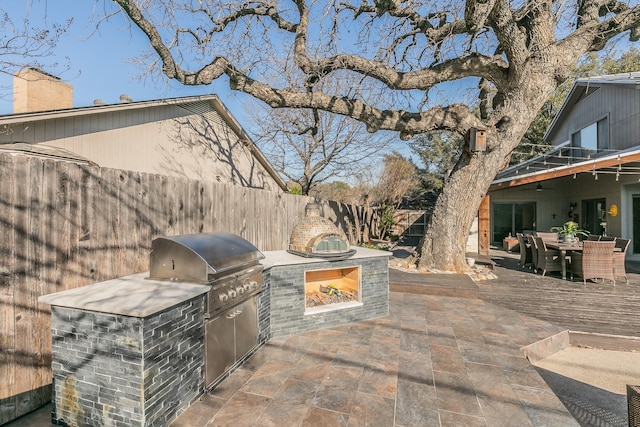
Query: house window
x,y
594,137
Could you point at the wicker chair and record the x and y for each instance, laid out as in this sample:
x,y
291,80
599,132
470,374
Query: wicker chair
x,y
547,236
594,262
607,238
525,251
548,259
534,252
619,257
593,237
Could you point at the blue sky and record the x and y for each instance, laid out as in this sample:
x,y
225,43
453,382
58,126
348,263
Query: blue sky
x,y
100,63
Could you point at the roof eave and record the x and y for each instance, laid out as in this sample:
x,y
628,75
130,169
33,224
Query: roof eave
x,y
98,109
215,101
562,171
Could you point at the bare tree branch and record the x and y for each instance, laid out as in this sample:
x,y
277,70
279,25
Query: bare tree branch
x,y
406,66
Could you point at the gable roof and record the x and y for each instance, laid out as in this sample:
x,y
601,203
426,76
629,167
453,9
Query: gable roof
x,y
565,160
212,99
585,87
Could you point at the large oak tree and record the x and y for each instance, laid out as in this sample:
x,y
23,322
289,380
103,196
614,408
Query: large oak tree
x,y
399,58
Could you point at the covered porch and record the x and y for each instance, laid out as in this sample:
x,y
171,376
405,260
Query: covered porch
x,y
600,192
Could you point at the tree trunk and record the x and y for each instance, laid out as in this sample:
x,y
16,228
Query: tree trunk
x,y
444,243
357,228
443,247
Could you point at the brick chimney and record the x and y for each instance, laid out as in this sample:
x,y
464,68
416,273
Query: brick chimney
x,y
35,90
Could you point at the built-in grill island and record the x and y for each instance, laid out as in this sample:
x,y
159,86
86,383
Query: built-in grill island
x,y
229,265
140,349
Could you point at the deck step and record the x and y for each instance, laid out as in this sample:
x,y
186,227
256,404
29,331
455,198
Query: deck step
x,y
439,284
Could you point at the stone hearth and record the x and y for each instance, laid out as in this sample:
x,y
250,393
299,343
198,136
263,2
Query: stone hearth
x,y
285,276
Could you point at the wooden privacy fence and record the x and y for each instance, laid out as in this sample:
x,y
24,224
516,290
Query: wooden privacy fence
x,y
65,225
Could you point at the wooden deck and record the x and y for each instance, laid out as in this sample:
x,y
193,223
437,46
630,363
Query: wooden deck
x,y
595,308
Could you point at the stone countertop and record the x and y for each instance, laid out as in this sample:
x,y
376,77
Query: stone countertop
x,y
132,295
282,258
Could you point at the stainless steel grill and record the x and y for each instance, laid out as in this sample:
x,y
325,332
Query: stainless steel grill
x,y
230,265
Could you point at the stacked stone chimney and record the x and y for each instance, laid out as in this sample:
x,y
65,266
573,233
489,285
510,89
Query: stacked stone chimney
x,y
35,90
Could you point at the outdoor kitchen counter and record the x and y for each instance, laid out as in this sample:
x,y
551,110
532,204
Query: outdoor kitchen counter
x,y
132,295
280,258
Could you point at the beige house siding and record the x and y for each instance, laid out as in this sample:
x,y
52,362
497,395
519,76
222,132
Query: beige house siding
x,y
189,140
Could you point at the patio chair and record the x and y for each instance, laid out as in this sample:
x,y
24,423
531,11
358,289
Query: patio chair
x,y
525,251
547,236
593,237
607,238
619,257
548,259
594,262
534,252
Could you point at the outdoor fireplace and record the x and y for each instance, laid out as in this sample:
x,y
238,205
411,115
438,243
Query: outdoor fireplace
x,y
292,281
331,289
321,281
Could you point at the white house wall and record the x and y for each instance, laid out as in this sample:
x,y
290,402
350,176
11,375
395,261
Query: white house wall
x,y
167,140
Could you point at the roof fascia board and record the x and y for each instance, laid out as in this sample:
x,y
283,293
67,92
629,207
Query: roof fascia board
x,y
98,109
559,172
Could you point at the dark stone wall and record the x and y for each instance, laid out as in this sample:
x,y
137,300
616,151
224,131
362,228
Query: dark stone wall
x,y
264,311
121,371
286,287
173,361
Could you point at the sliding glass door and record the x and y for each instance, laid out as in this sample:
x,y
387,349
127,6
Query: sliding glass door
x,y
593,216
635,240
512,218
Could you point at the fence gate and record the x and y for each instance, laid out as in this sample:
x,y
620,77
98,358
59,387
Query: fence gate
x,y
410,223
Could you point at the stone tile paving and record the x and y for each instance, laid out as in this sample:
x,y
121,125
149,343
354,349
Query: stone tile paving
x,y
433,361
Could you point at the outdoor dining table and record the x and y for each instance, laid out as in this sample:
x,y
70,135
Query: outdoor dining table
x,y
563,247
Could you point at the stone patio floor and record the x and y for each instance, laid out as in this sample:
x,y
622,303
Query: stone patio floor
x,y
434,361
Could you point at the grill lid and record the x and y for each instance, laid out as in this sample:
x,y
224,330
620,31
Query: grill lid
x,y
200,257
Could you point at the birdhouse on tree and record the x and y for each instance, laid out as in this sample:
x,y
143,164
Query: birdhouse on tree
x,y
477,139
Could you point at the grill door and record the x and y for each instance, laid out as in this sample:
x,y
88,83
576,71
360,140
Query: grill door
x,y
246,327
219,346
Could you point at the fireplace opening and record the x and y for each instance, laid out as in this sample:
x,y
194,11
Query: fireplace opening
x,y
331,289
